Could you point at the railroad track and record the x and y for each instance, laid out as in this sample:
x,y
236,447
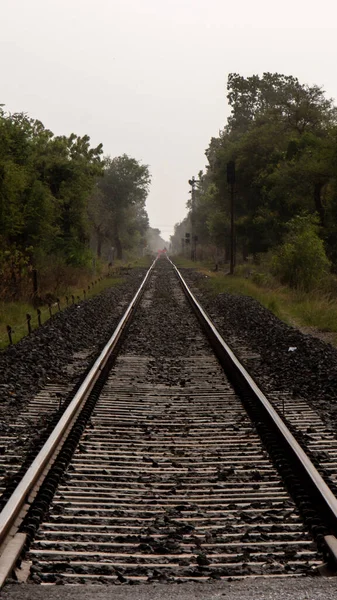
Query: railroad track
x,y
157,471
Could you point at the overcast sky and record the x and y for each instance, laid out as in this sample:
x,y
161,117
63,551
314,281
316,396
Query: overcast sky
x,y
148,77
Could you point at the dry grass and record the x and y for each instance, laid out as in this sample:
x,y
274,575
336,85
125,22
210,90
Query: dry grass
x,y
59,283
14,313
317,309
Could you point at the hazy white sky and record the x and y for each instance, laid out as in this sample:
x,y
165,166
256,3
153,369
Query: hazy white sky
x,y
148,77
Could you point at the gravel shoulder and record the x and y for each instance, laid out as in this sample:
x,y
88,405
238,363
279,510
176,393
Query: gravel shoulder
x,y
286,358
55,354
26,366
258,589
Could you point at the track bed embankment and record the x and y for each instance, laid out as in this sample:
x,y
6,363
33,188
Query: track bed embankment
x,y
170,481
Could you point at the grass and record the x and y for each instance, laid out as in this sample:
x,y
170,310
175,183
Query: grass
x,y
14,313
130,262
182,261
316,309
271,299
144,261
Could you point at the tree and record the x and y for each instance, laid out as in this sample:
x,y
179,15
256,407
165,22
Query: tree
x,y
301,261
282,135
99,218
280,97
123,191
154,240
44,184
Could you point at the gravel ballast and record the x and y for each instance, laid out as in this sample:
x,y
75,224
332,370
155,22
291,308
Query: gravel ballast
x,y
57,354
289,360
262,589
36,359
309,371
156,470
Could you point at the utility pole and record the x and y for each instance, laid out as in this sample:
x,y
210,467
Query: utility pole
x,y
192,183
231,183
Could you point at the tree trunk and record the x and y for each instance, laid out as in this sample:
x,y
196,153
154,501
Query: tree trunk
x,y
99,244
99,239
318,202
118,245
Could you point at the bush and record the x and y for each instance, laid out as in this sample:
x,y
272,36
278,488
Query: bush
x,y
14,272
263,279
301,261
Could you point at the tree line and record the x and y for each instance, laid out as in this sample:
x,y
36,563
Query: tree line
x,y
282,136
61,201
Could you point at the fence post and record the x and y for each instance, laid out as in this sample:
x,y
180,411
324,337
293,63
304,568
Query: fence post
x,y
50,310
73,298
58,303
9,331
67,300
39,317
29,318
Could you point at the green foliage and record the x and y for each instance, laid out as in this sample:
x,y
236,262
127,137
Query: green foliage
x,y
281,97
263,279
44,184
117,207
56,192
301,261
282,135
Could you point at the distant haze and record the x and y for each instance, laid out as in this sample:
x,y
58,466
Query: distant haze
x,y
148,77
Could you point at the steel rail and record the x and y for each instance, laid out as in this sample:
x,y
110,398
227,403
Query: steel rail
x,y
20,496
325,496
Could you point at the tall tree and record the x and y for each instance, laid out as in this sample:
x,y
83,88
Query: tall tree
x,y
282,136
123,191
44,184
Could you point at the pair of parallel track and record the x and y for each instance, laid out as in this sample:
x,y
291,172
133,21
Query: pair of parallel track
x,y
157,471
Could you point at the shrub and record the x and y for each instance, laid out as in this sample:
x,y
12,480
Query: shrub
x,y
263,279
301,261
